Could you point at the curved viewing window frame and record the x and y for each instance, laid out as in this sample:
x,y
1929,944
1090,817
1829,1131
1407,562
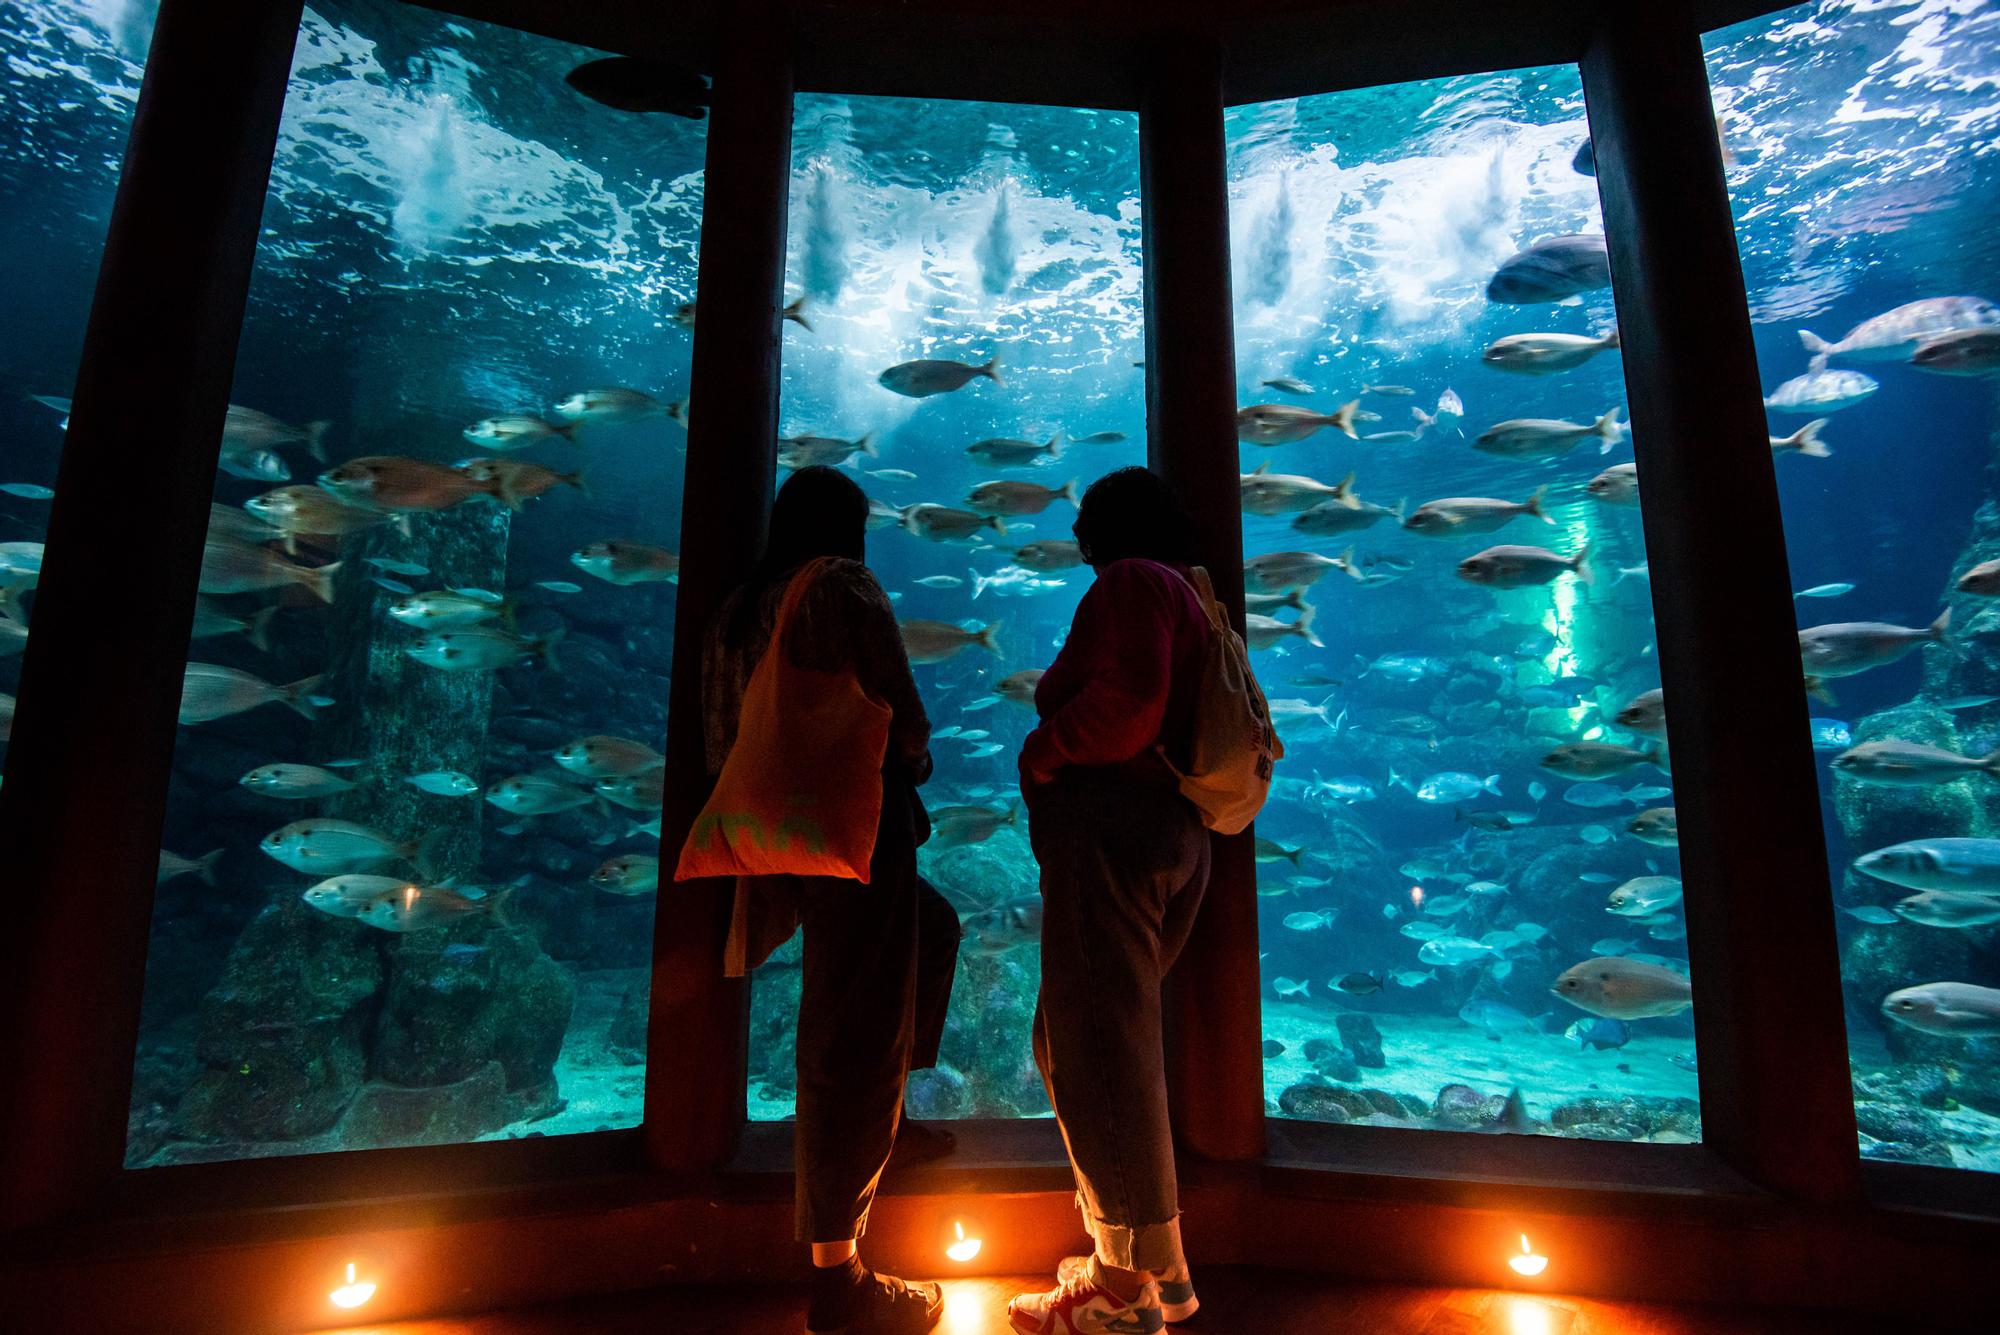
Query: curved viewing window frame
x,y
1775,1099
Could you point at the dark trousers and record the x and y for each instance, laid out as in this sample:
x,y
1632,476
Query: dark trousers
x,y
878,967
1123,873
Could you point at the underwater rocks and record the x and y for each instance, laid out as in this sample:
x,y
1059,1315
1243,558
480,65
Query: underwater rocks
x,y
1906,1134
1325,1103
939,1093
1463,1108
625,1038
1363,1039
1335,1062
281,1042
451,1007
386,1114
1632,1117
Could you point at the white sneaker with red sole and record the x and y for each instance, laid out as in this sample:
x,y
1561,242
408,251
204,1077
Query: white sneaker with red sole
x,y
1177,1300
1079,1305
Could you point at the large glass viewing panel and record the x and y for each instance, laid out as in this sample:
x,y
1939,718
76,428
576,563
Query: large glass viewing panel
x,y
1004,238
69,79
1859,145
1468,881
406,893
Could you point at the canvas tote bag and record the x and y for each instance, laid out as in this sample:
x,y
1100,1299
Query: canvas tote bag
x,y
801,792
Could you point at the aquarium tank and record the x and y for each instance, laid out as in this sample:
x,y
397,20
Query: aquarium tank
x,y
411,847
1468,889
1858,143
1004,239
68,86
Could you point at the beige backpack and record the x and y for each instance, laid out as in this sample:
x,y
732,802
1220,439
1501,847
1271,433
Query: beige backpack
x,y
1234,747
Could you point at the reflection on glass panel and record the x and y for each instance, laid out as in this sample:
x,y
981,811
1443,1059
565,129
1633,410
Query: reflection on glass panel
x,y
1004,239
1469,897
1859,147
69,78
407,886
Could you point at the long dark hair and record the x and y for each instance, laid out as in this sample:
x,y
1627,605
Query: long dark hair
x,y
1133,512
818,512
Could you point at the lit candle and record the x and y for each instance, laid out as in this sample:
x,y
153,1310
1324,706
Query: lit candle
x,y
1528,1263
964,1249
352,1294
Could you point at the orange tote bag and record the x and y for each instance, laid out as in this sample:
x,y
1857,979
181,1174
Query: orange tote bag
x,y
801,792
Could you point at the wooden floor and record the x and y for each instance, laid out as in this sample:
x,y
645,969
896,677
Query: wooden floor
x,y
1235,1301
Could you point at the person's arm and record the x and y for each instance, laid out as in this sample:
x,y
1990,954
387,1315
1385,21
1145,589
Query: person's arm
x,y
1121,647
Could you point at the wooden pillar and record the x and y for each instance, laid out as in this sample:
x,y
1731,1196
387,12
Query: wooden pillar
x,y
87,766
1214,1025
695,1057
1775,1094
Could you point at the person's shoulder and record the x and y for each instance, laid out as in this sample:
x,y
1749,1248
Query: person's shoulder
x,y
840,577
1139,572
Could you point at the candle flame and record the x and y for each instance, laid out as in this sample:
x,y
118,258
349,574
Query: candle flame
x,y
1527,1263
352,1294
965,1248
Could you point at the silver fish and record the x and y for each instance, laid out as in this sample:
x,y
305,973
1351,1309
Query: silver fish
x,y
210,691
921,379
293,783
1545,438
1895,335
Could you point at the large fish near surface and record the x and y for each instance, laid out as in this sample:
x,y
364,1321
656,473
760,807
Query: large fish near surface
x,y
1843,648
1901,764
612,403
1546,438
1558,269
1017,498
1643,896
245,431
1284,423
1597,760
1049,555
1262,632
537,795
228,566
397,485
482,649
621,562
1967,352
302,511
1545,354
954,827
1456,516
943,523
1330,519
935,641
1616,485
601,756
1515,567
1894,335
1658,826
921,379
1646,713
1956,864
1949,908
1821,391
1014,924
330,847
210,691
1624,989
628,874
1006,452
822,451
641,84
1281,572
1951,1010
1266,493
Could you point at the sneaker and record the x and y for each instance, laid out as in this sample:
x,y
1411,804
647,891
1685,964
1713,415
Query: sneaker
x,y
1177,1300
1078,1305
879,1305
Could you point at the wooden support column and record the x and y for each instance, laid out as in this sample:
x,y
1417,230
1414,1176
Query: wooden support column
x,y
1775,1094
695,1057
1214,1026
87,766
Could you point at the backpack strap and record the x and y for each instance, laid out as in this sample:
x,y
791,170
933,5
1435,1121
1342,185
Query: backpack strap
x,y
1204,589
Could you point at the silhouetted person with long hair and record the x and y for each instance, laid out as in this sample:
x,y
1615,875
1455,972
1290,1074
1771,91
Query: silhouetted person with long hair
x,y
1124,864
879,957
